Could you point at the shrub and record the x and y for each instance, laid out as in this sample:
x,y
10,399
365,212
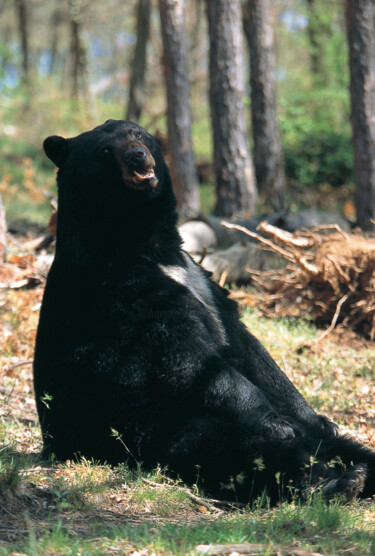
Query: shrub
x,y
316,136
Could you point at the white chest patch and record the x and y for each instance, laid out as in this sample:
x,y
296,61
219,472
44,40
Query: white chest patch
x,y
194,280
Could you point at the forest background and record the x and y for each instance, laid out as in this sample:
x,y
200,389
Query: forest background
x,y
67,66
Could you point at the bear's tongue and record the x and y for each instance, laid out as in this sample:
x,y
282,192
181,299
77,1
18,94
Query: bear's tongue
x,y
146,175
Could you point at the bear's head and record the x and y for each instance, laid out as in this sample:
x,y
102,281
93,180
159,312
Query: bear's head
x,y
118,160
114,188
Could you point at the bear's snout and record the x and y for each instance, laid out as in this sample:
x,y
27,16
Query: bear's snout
x,y
137,164
136,157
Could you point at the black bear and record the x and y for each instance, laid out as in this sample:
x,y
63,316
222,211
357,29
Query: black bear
x,y
135,338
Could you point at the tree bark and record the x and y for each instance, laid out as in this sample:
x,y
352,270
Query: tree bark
x,y
361,39
6,38
57,18
235,183
137,82
75,48
315,49
268,151
77,51
22,17
183,169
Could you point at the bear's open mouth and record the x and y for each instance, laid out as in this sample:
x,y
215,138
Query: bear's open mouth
x,y
145,175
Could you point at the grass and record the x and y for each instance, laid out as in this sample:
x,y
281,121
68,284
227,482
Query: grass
x,y
334,377
77,529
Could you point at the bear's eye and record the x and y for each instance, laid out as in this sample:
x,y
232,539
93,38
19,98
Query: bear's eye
x,y
106,150
138,135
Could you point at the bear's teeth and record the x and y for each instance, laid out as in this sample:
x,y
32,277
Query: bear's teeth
x,y
146,176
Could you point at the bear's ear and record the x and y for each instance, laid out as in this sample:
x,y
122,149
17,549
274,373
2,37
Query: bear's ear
x,y
57,149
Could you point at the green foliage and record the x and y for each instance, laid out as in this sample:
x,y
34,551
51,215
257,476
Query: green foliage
x,y
9,470
314,108
326,23
201,132
294,47
207,195
316,137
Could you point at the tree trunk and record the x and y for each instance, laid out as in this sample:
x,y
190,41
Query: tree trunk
x,y
268,152
57,18
22,18
6,56
137,82
361,38
313,36
77,51
183,169
53,51
3,233
235,184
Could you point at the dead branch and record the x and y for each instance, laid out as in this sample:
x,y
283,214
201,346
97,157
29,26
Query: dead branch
x,y
334,320
312,269
332,276
223,278
261,239
332,227
340,272
284,236
9,371
223,550
52,199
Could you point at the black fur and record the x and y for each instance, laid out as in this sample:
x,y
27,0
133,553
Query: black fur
x,y
134,337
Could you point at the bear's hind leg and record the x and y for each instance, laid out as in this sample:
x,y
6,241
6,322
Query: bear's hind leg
x,y
347,486
228,461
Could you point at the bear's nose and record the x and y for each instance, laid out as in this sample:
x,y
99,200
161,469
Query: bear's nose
x,y
136,156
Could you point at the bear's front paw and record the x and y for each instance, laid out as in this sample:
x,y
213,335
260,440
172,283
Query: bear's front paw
x,y
324,425
278,428
328,426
